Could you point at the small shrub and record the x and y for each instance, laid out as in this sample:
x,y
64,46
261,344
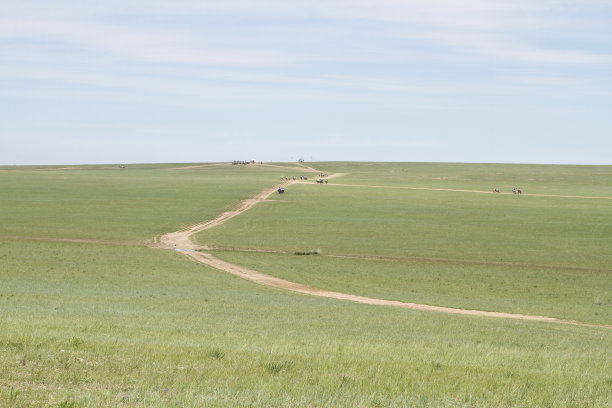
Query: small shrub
x,y
13,394
275,367
66,404
216,353
343,381
76,341
315,252
17,345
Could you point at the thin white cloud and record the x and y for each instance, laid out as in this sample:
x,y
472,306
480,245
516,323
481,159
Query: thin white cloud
x,y
502,30
503,47
321,56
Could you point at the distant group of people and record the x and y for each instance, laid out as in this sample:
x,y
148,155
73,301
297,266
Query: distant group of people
x,y
515,190
285,178
235,162
319,180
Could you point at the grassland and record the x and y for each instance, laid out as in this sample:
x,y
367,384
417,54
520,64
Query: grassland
x,y
87,325
545,179
132,204
520,254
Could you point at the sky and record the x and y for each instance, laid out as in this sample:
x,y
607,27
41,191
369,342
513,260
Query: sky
x,y
502,81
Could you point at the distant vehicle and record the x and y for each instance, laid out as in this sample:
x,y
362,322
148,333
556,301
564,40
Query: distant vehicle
x,y
281,190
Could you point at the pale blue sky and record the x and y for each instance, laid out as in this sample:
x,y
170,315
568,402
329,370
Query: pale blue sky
x,y
112,81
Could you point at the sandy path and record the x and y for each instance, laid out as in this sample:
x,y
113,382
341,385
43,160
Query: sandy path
x,y
197,166
268,280
296,168
77,241
181,241
468,191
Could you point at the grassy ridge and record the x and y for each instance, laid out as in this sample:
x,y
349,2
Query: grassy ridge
x,y
123,326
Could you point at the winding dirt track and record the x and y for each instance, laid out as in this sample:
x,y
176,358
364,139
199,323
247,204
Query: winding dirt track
x,y
181,241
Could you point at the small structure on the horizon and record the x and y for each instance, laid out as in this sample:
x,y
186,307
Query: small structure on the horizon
x,y
301,160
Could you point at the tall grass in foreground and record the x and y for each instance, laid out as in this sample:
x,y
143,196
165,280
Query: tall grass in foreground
x,y
123,326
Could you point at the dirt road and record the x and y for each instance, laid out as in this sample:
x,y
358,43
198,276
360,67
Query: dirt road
x,y
468,191
182,241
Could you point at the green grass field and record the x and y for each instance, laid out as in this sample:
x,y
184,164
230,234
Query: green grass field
x,y
133,204
521,254
92,324
546,179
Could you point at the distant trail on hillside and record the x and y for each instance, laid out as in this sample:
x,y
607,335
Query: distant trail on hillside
x,y
76,241
33,168
455,190
182,241
279,166
197,166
